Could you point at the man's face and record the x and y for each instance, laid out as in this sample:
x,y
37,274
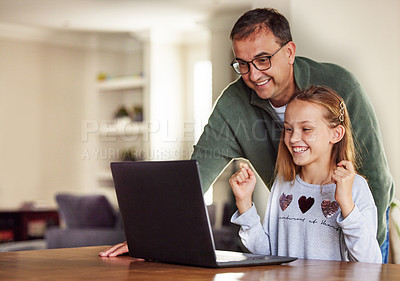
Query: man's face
x,y
275,83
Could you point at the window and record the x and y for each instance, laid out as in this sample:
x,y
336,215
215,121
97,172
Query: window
x,y
202,104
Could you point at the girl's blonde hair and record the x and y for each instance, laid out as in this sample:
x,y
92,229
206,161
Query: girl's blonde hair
x,y
335,114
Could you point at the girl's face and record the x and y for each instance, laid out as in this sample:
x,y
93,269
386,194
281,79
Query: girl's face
x,y
307,135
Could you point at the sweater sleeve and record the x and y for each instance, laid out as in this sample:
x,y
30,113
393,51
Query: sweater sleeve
x,y
216,147
360,226
218,144
253,235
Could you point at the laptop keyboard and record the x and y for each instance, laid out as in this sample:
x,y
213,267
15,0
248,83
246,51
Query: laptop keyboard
x,y
235,256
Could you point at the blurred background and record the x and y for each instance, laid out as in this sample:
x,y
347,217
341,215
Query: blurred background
x,y
86,82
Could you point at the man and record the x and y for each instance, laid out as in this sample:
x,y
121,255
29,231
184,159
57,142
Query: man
x,y
247,119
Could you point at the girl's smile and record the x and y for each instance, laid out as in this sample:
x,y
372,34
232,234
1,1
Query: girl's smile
x,y
299,149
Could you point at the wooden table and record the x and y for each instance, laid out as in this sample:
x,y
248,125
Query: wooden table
x,y
84,264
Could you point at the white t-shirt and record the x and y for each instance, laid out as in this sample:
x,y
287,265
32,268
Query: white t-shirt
x,y
280,111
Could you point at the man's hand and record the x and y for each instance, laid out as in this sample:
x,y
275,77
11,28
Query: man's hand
x,y
116,250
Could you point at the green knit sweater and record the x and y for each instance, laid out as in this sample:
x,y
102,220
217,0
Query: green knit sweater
x,y
242,125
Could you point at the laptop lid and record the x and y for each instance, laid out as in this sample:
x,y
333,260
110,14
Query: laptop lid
x,y
164,215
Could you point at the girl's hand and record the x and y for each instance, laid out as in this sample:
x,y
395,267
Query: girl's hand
x,y
116,250
343,177
242,184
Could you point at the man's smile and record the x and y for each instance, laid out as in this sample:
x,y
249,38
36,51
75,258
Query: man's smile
x,y
262,83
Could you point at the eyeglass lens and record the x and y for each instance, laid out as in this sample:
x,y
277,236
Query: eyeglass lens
x,y
243,67
261,63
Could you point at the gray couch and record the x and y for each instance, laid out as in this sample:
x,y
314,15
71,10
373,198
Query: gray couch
x,y
89,221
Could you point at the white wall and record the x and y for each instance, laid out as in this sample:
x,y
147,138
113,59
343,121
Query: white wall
x,y
41,112
166,98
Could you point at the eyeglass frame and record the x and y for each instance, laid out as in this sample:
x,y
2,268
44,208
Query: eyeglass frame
x,y
252,61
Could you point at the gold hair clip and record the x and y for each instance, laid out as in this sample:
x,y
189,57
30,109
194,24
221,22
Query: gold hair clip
x,y
341,111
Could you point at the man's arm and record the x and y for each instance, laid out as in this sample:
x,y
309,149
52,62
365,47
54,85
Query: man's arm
x,y
216,147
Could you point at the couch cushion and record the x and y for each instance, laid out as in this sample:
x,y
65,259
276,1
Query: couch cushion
x,y
66,238
86,211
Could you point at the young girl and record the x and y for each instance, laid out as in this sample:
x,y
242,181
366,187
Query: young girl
x,y
319,208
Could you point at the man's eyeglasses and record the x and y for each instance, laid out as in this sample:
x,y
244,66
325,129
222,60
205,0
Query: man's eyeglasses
x,y
261,63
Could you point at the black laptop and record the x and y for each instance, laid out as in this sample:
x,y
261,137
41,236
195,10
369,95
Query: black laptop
x,y
165,218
